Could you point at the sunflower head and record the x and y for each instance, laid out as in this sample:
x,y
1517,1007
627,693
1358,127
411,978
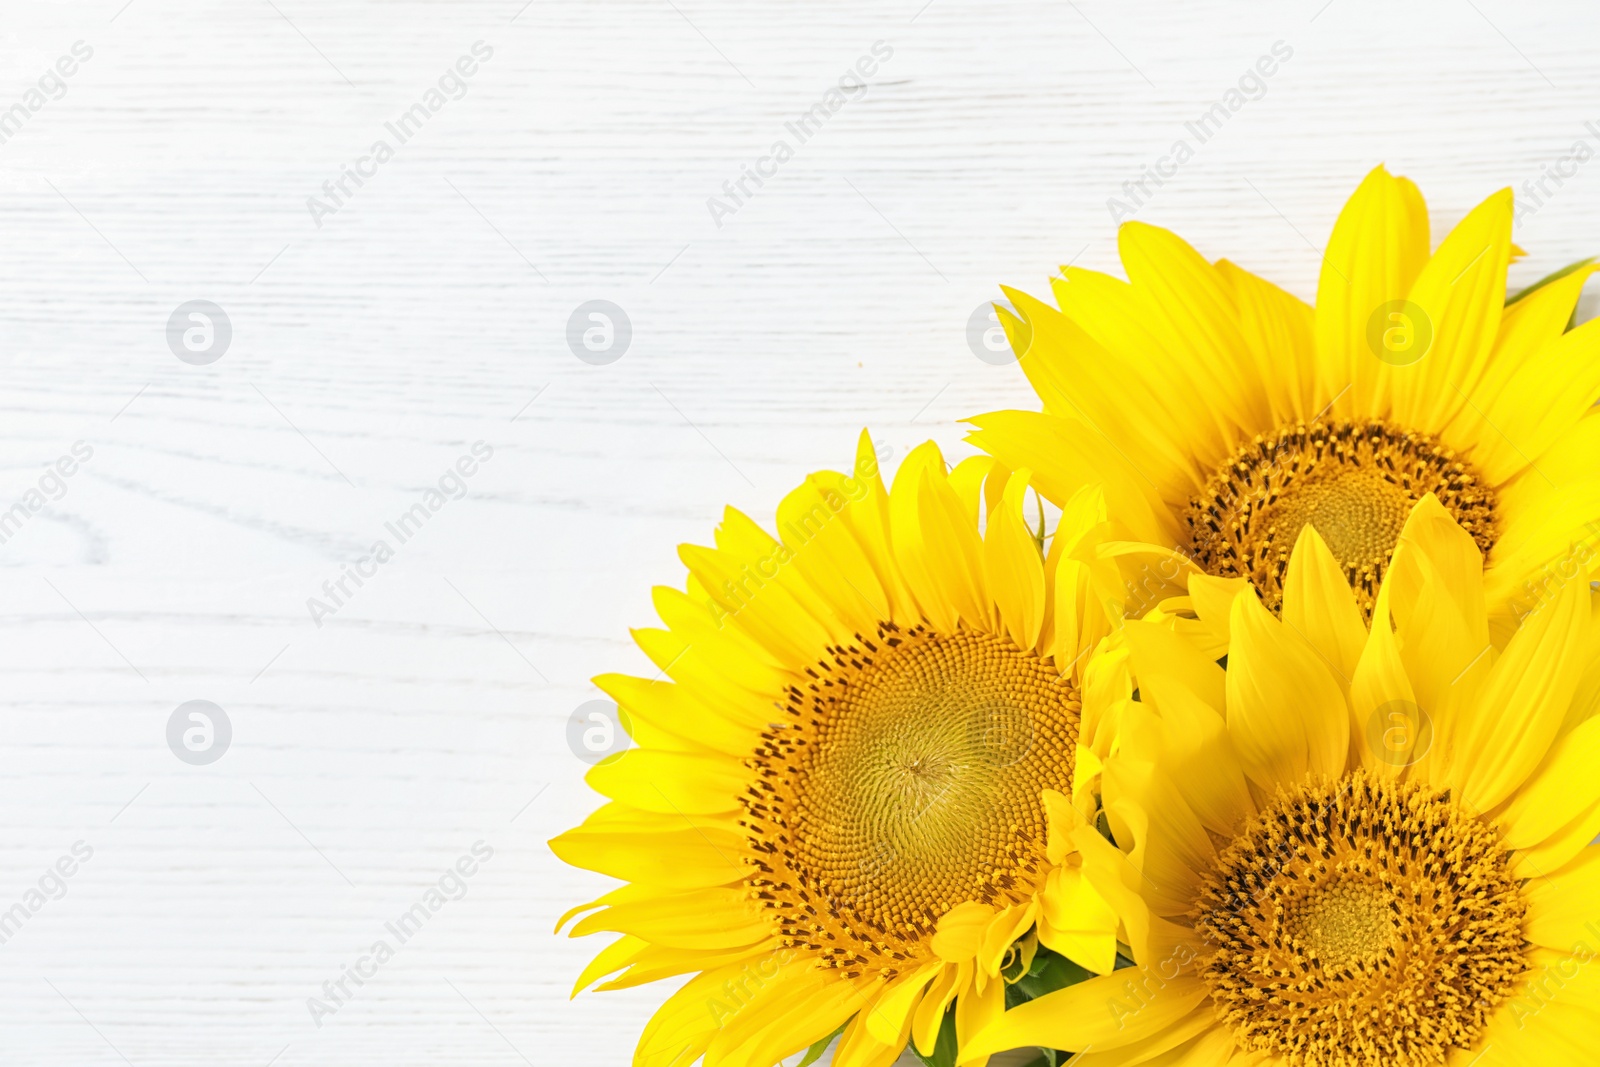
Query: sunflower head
x,y
906,781
1299,885
849,798
1225,416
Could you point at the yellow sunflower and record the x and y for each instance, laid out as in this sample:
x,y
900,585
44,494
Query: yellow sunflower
x,y
1352,849
1223,415
836,812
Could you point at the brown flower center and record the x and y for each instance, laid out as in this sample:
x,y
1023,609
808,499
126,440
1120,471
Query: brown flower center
x,y
905,779
1354,482
1359,922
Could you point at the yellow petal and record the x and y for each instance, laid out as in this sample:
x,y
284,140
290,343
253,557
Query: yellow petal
x,y
1003,931
1526,327
670,708
1213,601
1175,1046
1194,311
1067,454
681,1028
1386,720
655,962
1162,660
1077,922
1545,398
1012,568
952,551
960,931
671,781
777,1016
890,1015
1173,850
911,550
1559,848
1561,906
1378,247
1531,685
967,478
1277,330
714,919
1318,604
1204,764
1287,715
765,608
1077,378
1461,291
1433,532
674,859
614,957
1105,1012
976,1010
929,1016
857,1047
827,556
1123,320
1563,787
739,688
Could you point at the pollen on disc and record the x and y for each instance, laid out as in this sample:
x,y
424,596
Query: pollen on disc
x,y
1354,482
905,779
1361,921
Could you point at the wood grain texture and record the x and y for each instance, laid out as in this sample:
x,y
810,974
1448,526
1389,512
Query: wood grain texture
x,y
429,312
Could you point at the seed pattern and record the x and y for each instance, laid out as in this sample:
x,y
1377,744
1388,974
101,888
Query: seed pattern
x,y
1356,482
1362,922
904,779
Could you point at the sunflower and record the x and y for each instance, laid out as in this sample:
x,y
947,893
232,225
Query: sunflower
x,y
1351,848
836,813
1224,415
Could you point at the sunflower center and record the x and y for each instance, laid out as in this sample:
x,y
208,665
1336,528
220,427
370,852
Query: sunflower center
x,y
904,781
1345,920
1355,482
1361,921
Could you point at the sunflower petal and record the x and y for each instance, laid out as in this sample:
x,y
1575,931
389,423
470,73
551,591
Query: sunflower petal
x,y
1461,292
1287,715
1377,249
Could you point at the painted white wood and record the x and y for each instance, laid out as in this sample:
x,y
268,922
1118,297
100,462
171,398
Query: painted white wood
x,y
429,312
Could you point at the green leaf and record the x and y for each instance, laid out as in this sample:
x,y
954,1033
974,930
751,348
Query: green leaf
x,y
1011,968
944,1048
814,1053
1050,971
1546,280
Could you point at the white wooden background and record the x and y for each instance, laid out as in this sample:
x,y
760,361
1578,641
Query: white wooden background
x,y
430,312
